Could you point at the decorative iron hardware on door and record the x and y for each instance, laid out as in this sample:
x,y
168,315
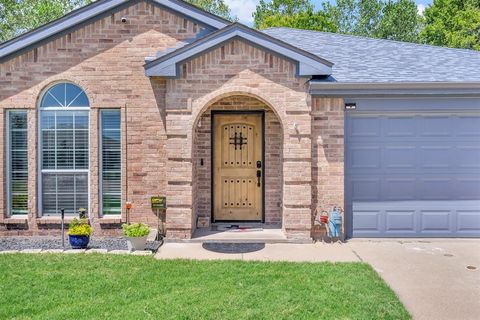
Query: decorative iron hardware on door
x,y
239,140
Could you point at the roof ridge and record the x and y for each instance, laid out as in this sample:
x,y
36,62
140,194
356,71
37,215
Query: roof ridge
x,y
423,45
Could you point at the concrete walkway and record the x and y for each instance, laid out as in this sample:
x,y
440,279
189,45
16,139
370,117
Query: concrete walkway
x,y
429,276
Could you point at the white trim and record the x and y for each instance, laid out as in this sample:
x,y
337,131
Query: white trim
x,y
41,171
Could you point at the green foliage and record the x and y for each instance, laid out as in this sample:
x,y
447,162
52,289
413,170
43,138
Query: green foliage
x,y
19,16
218,7
453,23
308,20
267,10
135,230
393,19
79,228
399,21
49,287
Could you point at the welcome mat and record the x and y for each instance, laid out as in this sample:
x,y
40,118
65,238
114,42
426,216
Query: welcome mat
x,y
227,247
238,228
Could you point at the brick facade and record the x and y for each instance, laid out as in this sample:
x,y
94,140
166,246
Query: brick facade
x,y
165,122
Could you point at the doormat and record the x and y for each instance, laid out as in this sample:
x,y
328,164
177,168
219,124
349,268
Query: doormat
x,y
238,228
229,247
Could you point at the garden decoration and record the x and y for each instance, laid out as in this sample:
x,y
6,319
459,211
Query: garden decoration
x,y
136,235
128,206
79,232
159,205
335,222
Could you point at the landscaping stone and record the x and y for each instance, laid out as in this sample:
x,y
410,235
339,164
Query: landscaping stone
x,y
53,251
31,251
142,253
119,252
55,243
96,251
74,251
9,251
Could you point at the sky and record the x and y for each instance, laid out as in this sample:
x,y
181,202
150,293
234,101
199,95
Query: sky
x,y
243,9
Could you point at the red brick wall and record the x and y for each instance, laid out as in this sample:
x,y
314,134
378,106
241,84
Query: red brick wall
x,y
106,59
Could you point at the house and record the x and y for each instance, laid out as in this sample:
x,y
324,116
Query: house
x,y
123,100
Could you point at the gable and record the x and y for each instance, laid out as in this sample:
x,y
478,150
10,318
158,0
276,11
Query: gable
x,y
95,11
168,64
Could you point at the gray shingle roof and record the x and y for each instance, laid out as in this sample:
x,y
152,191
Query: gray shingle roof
x,y
360,59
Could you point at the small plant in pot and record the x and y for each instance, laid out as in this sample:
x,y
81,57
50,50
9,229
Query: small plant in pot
x,y
79,232
136,234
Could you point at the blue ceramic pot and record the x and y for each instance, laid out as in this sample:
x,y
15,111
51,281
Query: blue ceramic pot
x,y
78,242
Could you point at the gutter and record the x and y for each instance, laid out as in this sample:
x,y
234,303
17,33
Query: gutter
x,y
392,90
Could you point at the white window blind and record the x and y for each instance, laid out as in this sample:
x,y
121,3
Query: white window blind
x,y
17,162
111,152
64,130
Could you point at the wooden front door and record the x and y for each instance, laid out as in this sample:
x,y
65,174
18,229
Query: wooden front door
x,y
238,167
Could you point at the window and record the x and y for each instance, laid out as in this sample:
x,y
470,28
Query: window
x,y
64,122
111,174
17,162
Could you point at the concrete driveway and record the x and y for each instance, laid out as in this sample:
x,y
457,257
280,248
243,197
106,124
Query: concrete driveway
x,y
429,276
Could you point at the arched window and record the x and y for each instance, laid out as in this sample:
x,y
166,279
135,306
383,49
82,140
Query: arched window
x,y
64,149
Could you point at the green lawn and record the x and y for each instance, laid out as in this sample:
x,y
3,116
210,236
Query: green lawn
x,y
47,286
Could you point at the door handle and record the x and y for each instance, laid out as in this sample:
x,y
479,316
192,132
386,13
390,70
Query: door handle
x,y
259,175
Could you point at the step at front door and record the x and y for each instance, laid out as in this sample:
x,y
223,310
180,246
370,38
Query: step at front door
x,y
238,167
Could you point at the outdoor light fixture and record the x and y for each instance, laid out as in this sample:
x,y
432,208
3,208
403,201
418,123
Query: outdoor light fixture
x,y
350,106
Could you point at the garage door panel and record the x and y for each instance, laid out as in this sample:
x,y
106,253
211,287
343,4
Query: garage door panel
x,y
467,188
467,126
404,127
468,221
365,189
436,189
365,127
435,157
365,157
368,221
435,126
413,175
399,189
400,221
400,157
436,221
468,156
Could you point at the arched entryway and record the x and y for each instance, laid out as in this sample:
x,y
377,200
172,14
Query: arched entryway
x,y
232,109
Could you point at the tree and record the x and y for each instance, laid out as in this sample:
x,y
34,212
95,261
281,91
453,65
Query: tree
x,y
393,19
218,7
281,9
308,20
19,16
453,23
358,17
399,21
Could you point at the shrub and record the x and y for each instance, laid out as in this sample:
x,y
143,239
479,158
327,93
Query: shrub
x,y
79,228
135,230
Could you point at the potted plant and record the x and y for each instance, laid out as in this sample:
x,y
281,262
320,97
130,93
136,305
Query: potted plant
x,y
79,232
136,234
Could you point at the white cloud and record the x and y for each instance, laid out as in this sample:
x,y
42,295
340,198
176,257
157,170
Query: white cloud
x,y
420,9
243,9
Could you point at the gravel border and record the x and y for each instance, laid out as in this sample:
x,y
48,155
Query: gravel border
x,y
54,244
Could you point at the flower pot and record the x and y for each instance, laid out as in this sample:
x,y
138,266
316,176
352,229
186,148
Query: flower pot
x,y
136,243
78,242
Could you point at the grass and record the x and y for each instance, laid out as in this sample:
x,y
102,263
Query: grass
x,y
56,286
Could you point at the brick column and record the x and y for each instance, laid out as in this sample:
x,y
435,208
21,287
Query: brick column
x,y
297,162
179,223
